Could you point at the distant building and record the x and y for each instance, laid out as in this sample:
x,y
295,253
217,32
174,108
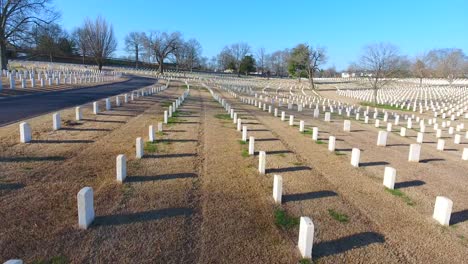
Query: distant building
x,y
348,75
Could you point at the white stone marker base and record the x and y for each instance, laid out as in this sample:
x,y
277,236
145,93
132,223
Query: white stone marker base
x,y
277,188
139,148
327,117
85,199
389,178
261,162
25,132
443,210
414,153
160,127
306,237
355,156
121,167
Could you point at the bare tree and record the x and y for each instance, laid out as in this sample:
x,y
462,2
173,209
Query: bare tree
x,y
278,62
225,59
447,63
134,44
238,52
16,16
99,36
380,62
163,44
261,58
79,38
193,50
420,68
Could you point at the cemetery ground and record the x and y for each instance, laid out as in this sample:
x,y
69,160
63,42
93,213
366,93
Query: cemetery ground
x,y
197,197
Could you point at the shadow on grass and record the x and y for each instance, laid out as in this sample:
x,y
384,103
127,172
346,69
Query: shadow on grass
x,y
31,159
176,140
459,217
61,141
104,121
266,139
152,215
288,169
407,184
162,156
11,186
85,129
373,163
341,245
160,177
307,196
430,160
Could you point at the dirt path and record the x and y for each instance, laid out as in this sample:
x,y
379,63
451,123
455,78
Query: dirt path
x,y
405,233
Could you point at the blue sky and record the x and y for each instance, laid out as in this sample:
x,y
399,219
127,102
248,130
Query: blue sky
x,y
343,27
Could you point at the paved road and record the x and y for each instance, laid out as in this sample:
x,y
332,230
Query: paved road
x,y
18,108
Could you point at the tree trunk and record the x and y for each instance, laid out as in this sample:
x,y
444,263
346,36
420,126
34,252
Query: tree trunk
x,y
100,65
311,80
420,81
374,96
161,66
83,59
3,57
136,57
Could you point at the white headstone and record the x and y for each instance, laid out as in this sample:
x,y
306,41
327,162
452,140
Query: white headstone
x,y
389,178
85,207
96,108
291,120
306,237
440,144
347,126
382,138
151,133
56,121
121,166
331,143
442,210
261,162
78,113
25,132
355,156
277,188
139,148
251,145
414,152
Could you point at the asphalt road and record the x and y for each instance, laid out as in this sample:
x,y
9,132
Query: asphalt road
x,y
14,109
